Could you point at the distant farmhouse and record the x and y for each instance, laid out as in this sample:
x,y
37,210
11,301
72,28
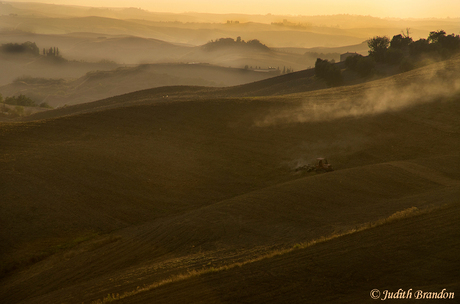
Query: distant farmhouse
x,y
343,57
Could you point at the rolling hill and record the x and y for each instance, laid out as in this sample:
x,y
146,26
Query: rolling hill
x,y
128,49
99,84
199,28
195,196
364,261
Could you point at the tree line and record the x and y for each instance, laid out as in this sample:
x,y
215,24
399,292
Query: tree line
x,y
28,48
401,51
438,45
24,48
52,51
22,100
230,42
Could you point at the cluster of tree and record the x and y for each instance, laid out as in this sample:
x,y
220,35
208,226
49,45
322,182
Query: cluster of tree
x,y
52,51
31,48
230,42
23,48
329,72
364,66
22,100
402,49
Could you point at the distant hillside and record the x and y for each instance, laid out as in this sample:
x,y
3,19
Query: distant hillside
x,y
197,29
302,84
97,85
324,23
176,32
102,52
15,65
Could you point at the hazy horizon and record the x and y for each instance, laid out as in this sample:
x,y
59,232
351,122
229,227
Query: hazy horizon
x,y
377,8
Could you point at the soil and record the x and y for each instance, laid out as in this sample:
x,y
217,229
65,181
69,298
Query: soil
x,y
116,195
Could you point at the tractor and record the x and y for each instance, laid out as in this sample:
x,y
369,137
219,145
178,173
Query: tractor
x,y
322,165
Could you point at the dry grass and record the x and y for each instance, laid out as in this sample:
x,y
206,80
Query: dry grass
x,y
90,239
397,216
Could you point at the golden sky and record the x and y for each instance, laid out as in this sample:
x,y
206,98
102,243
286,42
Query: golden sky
x,y
376,8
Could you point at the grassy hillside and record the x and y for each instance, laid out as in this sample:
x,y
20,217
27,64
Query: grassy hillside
x,y
416,253
104,197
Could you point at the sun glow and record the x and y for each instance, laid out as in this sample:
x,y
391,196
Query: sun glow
x,y
376,8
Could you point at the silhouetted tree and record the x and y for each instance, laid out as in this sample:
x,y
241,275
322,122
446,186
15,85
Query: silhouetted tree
x,y
20,100
436,36
52,51
394,56
438,44
400,42
329,72
399,48
26,47
444,45
364,66
405,52
378,47
421,46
